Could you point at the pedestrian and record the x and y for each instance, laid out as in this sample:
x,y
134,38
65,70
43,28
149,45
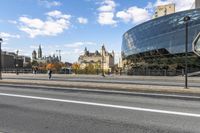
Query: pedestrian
x,y
36,70
49,73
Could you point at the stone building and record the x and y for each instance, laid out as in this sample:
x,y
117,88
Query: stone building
x,y
34,55
39,52
197,3
11,60
26,61
43,59
101,60
164,10
8,60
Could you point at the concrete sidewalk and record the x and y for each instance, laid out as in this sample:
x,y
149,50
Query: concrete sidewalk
x,y
106,86
108,77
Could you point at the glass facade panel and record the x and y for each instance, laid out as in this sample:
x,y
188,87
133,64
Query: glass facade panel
x,y
162,38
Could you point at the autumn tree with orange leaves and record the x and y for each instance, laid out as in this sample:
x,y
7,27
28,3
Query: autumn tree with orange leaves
x,y
75,67
56,67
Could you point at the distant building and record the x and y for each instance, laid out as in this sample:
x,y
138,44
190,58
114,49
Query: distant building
x,y
39,52
158,46
102,59
34,55
197,3
164,10
43,59
68,64
26,61
120,64
11,60
8,60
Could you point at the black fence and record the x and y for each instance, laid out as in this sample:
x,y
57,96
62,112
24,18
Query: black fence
x,y
17,70
157,72
139,72
30,70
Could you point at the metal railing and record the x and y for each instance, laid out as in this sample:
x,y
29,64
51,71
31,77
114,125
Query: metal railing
x,y
157,72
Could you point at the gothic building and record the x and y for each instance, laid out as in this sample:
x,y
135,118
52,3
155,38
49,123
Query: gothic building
x,y
34,55
43,59
39,52
102,60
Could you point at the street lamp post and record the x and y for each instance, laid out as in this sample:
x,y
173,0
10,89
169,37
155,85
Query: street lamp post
x,y
186,20
1,40
102,63
59,51
17,63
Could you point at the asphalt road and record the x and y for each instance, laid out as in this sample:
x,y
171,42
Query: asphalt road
x,y
108,80
24,110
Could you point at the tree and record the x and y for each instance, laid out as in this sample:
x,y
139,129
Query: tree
x,y
50,66
97,65
56,67
34,63
75,67
42,67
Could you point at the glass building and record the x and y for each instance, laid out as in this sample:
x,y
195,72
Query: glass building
x,y
159,44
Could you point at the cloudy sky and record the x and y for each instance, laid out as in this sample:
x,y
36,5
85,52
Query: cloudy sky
x,y
72,25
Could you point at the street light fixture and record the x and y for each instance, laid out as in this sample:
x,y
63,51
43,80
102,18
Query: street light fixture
x,y
186,19
17,52
1,40
59,51
102,63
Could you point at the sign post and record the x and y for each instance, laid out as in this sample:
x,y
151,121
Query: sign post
x,y
196,45
186,20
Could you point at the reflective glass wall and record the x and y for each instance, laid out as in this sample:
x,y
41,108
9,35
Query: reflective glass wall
x,y
162,40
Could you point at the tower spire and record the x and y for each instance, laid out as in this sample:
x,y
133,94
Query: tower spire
x,y
40,52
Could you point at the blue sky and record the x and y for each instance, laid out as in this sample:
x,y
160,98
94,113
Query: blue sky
x,y
72,25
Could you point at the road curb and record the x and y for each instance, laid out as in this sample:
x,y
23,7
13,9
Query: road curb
x,y
112,87
103,91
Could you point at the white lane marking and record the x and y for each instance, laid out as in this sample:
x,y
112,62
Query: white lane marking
x,y
114,91
104,105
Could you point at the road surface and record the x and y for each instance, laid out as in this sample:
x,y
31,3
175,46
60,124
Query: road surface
x,y
24,110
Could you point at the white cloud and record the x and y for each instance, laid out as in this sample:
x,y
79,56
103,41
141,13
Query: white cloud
x,y
134,14
126,17
49,4
77,51
6,48
79,44
12,21
160,2
55,24
34,46
150,7
54,13
107,6
106,13
32,23
106,18
82,20
138,15
58,14
7,36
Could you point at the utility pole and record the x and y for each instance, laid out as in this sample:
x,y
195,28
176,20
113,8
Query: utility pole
x,y
186,20
17,52
1,40
102,63
59,51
